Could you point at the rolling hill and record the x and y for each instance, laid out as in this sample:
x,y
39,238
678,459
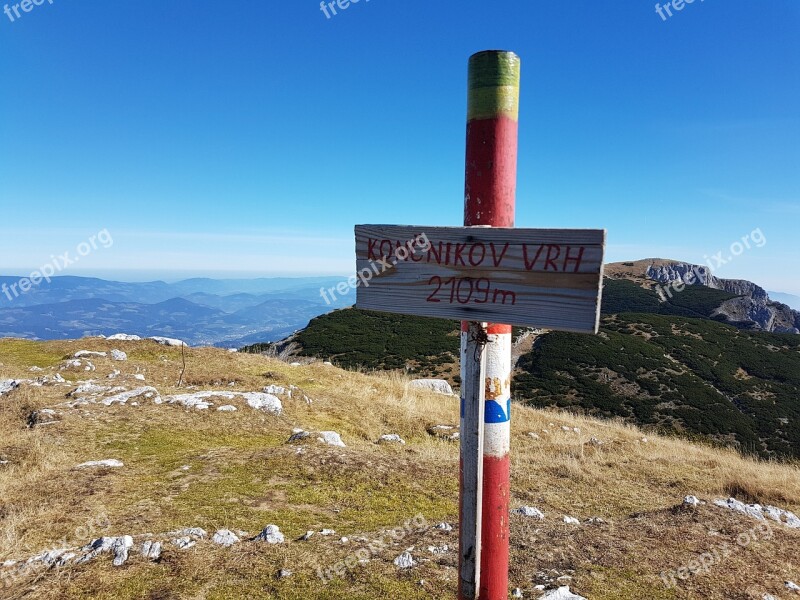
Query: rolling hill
x,y
679,366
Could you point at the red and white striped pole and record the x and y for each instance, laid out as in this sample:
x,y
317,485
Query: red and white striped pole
x,y
489,200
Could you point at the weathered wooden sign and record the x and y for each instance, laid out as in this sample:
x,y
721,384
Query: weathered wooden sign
x,y
545,278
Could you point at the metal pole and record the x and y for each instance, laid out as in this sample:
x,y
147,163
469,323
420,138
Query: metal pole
x,y
489,199
473,375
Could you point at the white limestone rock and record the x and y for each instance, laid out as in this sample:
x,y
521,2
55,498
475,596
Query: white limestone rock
x,y
151,550
331,438
121,548
529,511
83,353
440,386
391,438
124,337
194,532
276,390
751,510
225,537
183,543
271,534
118,355
691,501
561,593
227,408
166,341
108,463
7,385
405,561
264,402
147,392
571,520
780,515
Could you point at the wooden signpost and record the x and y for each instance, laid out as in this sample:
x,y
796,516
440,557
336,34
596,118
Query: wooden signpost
x,y
489,275
546,278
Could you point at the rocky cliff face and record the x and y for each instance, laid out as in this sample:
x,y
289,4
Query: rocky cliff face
x,y
752,306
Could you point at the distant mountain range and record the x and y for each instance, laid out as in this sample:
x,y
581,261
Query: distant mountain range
x,y
787,299
221,312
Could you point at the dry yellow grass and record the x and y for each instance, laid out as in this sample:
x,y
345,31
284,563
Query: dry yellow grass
x,y
242,475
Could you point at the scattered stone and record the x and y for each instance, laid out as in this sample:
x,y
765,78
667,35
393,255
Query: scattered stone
x,y
148,392
327,532
644,440
298,436
405,561
571,520
439,549
277,390
198,400
440,386
110,463
225,537
517,593
751,510
88,387
331,438
151,550
139,376
264,402
271,534
593,441
195,532
165,341
120,548
7,385
691,501
533,435
124,337
786,517
561,593
344,540
295,364
184,543
444,526
792,586
226,408
118,355
284,573
327,363
82,353
529,511
114,374
445,432
306,536
391,438
596,521
35,369
565,428
768,597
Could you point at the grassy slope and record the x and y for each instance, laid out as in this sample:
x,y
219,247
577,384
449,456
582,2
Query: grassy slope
x,y
242,475
687,375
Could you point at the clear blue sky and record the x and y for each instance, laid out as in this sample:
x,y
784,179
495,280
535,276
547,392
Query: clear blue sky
x,y
249,137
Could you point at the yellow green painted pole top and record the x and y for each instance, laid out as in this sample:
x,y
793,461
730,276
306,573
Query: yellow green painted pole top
x,y
494,84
